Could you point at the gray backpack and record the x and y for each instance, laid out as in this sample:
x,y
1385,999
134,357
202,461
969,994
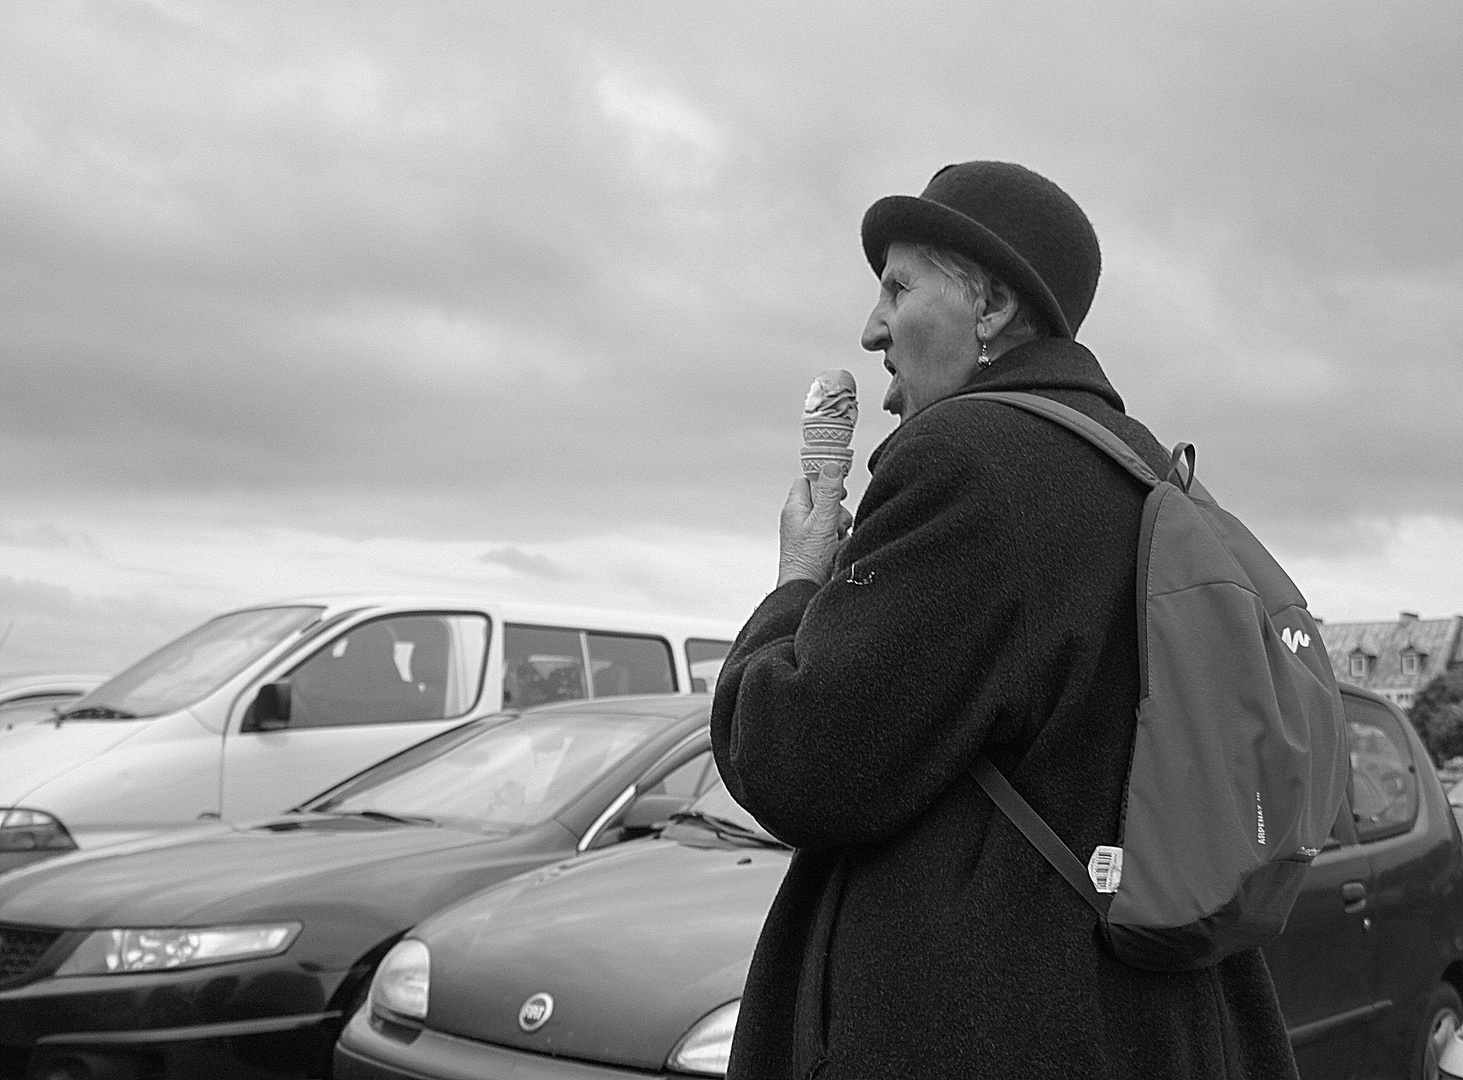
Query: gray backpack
x,y
1241,758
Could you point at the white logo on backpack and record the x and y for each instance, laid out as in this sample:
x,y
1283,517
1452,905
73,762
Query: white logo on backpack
x,y
1295,640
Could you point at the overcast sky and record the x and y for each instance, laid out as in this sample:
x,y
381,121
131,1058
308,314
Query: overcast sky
x,y
523,298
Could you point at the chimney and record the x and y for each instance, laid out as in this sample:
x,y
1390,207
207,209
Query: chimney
x,y
1408,616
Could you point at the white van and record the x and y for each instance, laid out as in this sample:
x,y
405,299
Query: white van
x,y
260,708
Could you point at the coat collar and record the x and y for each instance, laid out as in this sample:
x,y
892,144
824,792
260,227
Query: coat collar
x,y
1037,365
1047,364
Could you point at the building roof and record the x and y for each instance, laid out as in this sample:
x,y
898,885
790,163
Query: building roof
x,y
1438,640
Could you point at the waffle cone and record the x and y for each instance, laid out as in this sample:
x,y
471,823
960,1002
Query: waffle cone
x,y
820,432
814,458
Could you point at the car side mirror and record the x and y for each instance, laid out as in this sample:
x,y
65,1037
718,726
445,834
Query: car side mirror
x,y
271,709
649,811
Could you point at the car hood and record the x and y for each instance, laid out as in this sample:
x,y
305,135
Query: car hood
x,y
634,944
220,873
34,754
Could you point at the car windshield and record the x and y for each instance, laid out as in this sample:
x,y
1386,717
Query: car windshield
x,y
718,804
493,774
193,666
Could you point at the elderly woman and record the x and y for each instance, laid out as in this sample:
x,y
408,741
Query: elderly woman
x,y
984,600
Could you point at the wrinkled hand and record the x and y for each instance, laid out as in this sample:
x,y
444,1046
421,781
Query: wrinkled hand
x,y
814,524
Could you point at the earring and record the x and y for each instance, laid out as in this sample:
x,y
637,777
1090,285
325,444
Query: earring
x,y
984,359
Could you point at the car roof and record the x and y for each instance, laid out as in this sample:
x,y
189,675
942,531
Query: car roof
x,y
673,706
589,618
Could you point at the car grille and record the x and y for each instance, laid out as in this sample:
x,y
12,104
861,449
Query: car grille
x,y
21,949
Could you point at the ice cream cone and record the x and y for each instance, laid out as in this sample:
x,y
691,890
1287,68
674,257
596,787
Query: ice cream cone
x,y
827,431
830,412
814,458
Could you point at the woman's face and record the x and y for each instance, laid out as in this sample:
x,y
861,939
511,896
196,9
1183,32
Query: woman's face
x,y
925,329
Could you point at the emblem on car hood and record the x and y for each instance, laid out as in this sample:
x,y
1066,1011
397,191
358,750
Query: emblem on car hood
x,y
535,1012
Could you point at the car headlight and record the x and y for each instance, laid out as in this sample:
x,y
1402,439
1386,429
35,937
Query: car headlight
x,y
32,830
706,1048
115,952
403,981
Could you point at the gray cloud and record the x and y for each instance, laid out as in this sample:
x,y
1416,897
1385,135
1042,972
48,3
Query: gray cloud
x,y
458,268
46,626
519,561
39,534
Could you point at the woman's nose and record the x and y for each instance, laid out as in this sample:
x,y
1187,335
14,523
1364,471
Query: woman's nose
x,y
876,333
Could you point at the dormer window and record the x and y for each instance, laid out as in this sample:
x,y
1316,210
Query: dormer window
x,y
1411,663
1358,665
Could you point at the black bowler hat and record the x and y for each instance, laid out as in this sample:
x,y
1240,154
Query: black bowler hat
x,y
1017,224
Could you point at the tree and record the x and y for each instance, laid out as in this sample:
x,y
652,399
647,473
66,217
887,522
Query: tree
x,y
1437,713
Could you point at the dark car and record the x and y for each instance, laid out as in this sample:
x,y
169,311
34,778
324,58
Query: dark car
x,y
631,961
621,963
1370,966
239,950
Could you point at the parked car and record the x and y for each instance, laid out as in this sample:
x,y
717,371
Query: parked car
x,y
238,950
37,697
631,961
1370,967
622,963
262,707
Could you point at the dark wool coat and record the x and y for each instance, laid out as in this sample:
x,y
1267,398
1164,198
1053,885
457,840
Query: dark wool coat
x,y
985,600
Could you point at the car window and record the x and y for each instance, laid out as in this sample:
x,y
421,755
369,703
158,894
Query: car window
x,y
704,657
687,780
504,776
625,664
193,666
392,670
541,665
1383,779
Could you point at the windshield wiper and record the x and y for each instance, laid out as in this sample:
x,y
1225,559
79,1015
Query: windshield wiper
x,y
381,815
94,712
727,829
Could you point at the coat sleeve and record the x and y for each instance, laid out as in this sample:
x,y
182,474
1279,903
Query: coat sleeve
x,y
843,712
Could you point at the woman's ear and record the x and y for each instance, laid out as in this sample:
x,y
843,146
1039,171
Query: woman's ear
x,y
1000,308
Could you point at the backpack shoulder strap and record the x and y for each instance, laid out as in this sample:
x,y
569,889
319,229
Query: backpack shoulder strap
x,y
994,783
1073,421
